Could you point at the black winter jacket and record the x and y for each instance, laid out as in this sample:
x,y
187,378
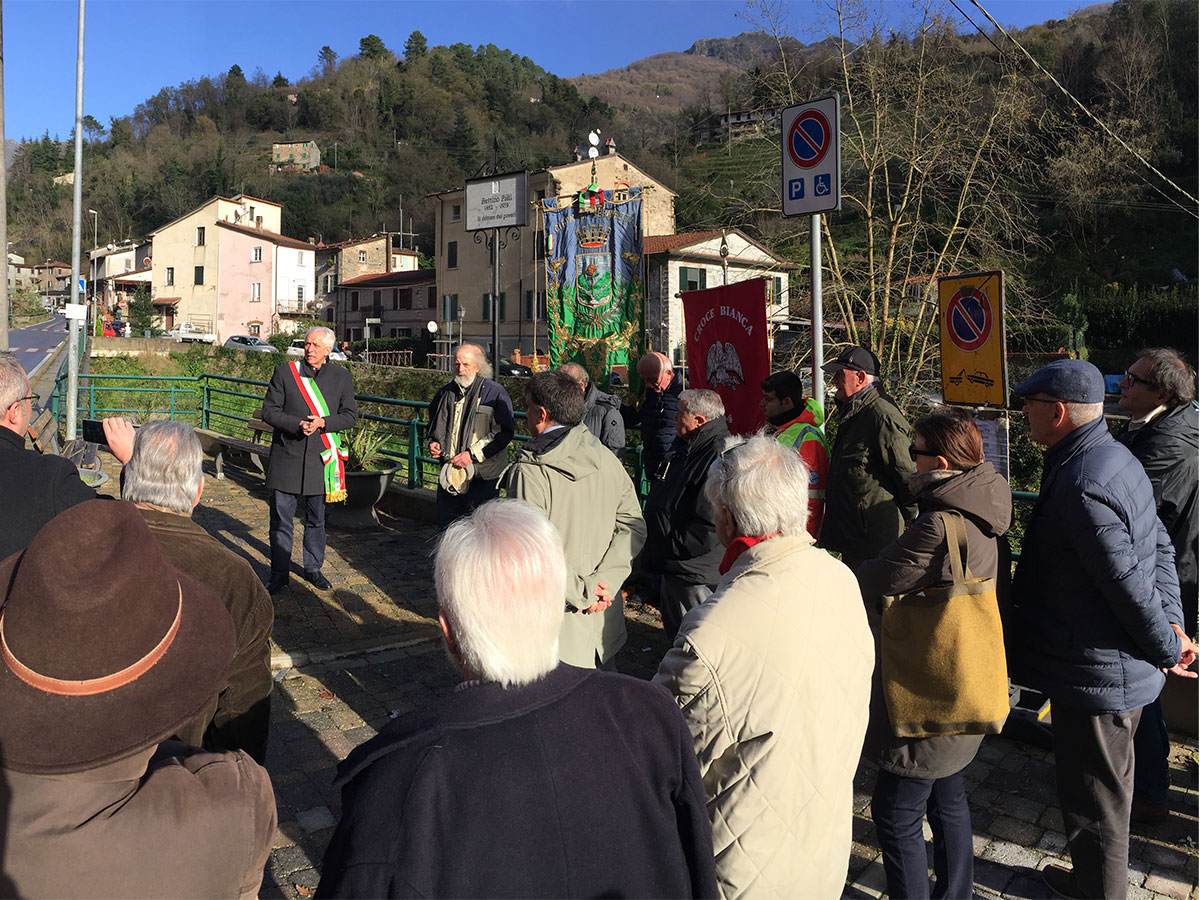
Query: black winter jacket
x,y
535,791
1167,448
295,465
34,488
681,535
1096,587
655,417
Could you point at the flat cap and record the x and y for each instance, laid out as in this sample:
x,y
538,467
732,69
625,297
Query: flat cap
x,y
1071,380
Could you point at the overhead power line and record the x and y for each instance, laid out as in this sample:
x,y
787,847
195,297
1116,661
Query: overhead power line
x,y
1075,100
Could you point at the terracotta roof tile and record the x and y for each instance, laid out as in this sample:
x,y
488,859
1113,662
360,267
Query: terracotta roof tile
x,y
661,243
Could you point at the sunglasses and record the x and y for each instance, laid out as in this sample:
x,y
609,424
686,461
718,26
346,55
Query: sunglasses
x,y
913,452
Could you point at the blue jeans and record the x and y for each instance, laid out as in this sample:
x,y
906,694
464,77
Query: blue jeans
x,y
1151,750
898,806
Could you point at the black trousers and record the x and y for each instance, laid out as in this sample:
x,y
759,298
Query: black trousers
x,y
1093,762
452,506
897,807
675,598
283,508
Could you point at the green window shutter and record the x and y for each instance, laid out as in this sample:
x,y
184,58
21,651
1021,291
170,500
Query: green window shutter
x,y
454,306
684,272
487,307
503,298
778,290
703,281
529,305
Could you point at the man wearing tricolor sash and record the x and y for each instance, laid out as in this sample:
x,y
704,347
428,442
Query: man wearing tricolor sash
x,y
308,402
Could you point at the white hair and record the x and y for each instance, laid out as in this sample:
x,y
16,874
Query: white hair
x,y
481,360
701,402
501,578
764,485
871,379
1082,413
166,467
327,335
14,384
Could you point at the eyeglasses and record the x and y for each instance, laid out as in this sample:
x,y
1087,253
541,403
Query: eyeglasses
x,y
1134,379
32,397
913,452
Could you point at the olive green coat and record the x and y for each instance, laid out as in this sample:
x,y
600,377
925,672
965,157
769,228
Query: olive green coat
x,y
867,497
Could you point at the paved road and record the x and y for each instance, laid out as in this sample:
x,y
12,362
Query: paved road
x,y
35,343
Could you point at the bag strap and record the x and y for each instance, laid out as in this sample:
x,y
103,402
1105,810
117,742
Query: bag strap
x,y
956,545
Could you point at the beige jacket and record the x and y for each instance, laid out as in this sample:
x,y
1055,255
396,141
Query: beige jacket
x,y
773,674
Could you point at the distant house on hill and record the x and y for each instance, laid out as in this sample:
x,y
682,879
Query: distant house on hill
x,y
225,268
296,156
374,256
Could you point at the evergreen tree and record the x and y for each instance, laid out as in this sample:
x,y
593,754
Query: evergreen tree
x,y
279,80
371,47
415,47
235,75
141,311
463,149
327,59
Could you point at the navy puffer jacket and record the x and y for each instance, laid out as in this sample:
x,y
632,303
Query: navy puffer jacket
x,y
1096,585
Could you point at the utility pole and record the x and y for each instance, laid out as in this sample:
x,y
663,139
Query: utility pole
x,y
76,228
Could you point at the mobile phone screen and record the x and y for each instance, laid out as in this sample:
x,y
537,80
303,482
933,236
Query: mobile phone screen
x,y
93,432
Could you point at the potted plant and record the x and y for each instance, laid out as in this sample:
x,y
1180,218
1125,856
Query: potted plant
x,y
369,472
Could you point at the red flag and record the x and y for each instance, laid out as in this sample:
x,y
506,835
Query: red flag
x,y
726,331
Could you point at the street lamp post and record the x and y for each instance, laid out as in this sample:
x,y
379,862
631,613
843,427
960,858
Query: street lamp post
x,y
95,245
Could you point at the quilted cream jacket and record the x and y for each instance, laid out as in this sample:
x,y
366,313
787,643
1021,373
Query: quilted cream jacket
x,y
773,674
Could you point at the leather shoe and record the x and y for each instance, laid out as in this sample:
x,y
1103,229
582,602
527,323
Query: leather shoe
x,y
276,583
317,580
1061,882
1149,812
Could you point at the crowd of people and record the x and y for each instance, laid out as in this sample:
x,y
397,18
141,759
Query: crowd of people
x,y
825,603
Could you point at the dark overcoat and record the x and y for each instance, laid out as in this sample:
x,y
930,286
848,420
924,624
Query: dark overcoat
x,y
34,488
295,463
535,791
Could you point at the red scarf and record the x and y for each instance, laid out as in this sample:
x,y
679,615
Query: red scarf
x,y
737,547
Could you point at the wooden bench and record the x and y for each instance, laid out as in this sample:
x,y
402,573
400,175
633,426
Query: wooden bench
x,y
217,445
43,434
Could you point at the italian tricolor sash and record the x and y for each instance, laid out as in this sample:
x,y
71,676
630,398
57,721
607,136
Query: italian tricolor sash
x,y
333,454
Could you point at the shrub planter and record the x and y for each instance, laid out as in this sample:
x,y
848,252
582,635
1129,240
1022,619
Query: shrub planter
x,y
363,491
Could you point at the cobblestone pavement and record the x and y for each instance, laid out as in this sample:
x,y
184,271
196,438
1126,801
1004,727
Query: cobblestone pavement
x,y
349,660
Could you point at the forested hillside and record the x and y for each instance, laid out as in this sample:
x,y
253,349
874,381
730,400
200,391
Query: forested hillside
x,y
1070,163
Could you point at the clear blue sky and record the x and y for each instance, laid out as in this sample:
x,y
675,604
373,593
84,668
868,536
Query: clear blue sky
x,y
135,47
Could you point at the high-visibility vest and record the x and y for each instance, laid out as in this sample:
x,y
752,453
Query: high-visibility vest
x,y
804,436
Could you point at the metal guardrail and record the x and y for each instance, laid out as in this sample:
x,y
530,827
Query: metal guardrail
x,y
390,357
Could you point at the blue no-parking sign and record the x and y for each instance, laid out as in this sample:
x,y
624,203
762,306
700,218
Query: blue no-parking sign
x,y
812,163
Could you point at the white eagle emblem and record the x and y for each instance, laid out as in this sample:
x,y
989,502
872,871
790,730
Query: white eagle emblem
x,y
724,367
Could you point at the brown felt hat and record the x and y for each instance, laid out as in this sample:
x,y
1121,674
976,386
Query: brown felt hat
x,y
105,648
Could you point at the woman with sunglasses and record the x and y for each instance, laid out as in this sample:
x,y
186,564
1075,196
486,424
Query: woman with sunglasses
x,y
921,777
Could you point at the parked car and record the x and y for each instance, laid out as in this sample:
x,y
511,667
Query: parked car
x,y
508,367
120,327
249,342
296,348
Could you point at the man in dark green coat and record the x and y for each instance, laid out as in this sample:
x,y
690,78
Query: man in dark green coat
x,y
867,499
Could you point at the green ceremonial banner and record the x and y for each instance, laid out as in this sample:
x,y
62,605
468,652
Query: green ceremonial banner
x,y
594,292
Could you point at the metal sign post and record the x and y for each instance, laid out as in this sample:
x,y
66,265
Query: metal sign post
x,y
812,184
496,203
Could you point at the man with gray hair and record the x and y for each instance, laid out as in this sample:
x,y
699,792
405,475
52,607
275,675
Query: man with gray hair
x,y
682,548
528,781
1097,618
601,411
773,674
164,480
308,403
867,498
36,487
470,426
1158,391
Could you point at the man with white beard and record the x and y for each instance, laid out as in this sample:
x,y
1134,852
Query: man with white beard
x,y
470,426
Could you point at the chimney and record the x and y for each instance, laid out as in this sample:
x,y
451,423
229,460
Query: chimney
x,y
578,155
313,241
258,222
610,147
